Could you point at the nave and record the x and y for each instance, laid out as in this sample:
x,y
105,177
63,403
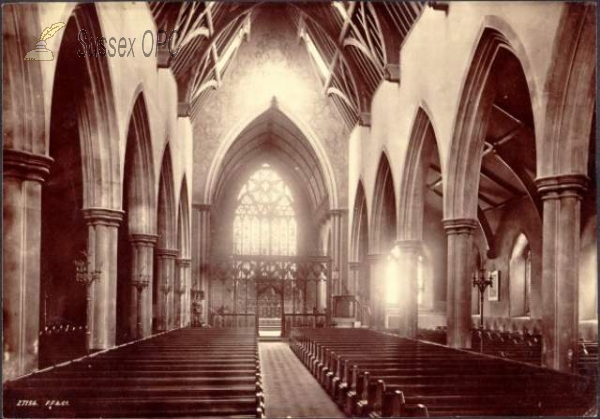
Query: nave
x,y
392,175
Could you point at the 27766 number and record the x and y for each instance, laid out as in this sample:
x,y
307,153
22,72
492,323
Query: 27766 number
x,y
47,403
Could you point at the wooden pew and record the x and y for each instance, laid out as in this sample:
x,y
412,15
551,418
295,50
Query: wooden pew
x,y
188,372
375,374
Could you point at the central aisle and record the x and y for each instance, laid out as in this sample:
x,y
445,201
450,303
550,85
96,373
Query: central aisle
x,y
290,390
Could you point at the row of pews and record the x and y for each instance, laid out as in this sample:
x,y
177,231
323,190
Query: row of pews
x,y
182,373
513,345
519,346
370,373
587,360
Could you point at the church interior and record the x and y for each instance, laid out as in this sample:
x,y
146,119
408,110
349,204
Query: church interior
x,y
300,209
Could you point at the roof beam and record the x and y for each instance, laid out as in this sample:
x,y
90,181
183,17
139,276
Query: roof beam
x,y
486,228
518,170
499,181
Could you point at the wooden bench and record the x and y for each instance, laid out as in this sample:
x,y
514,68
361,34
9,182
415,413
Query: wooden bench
x,y
188,372
377,374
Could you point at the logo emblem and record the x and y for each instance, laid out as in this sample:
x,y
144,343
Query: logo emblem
x,y
41,53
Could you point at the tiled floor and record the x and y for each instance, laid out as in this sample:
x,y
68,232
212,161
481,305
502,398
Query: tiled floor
x,y
290,390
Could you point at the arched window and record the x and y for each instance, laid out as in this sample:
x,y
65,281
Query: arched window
x,y
265,222
528,282
520,278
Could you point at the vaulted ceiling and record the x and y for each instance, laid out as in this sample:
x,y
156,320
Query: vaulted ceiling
x,y
354,46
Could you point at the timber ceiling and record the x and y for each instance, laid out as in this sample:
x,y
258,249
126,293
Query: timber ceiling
x,y
359,43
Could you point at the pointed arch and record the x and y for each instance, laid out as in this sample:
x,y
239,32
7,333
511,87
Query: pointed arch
x,y
470,126
421,144
183,221
138,172
308,134
167,213
96,116
21,23
383,222
571,95
360,219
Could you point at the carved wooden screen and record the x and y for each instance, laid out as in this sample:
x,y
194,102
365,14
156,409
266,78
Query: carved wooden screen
x,y
240,285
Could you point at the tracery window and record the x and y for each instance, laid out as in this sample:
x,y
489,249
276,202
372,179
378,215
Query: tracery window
x,y
265,220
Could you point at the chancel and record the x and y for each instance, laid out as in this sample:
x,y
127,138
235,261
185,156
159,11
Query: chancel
x,y
301,209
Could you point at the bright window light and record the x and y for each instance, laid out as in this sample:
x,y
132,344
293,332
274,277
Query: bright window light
x,y
392,285
265,221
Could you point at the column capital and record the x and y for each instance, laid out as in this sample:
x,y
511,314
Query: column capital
x,y
460,225
167,253
183,109
409,245
109,217
569,184
143,238
354,265
201,207
183,262
376,257
26,165
338,212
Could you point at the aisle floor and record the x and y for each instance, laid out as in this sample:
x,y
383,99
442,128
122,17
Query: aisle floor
x,y
290,390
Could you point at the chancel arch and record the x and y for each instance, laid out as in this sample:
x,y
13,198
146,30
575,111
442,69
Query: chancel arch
x,y
300,130
270,199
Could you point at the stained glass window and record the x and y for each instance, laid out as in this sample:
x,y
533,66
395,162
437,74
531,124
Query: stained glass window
x,y
265,222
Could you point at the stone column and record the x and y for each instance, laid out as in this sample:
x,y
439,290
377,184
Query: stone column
x,y
142,262
458,312
377,264
408,265
184,290
339,251
200,249
24,174
103,225
561,197
165,280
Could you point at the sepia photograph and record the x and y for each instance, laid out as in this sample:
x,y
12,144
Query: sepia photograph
x,y
299,209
